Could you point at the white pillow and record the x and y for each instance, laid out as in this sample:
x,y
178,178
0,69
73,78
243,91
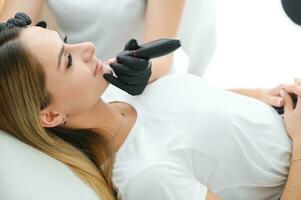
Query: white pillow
x,y
29,174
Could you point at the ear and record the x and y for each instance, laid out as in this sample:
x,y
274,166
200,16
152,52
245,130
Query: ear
x,y
51,119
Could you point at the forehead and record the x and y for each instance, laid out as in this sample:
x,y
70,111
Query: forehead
x,y
37,37
42,43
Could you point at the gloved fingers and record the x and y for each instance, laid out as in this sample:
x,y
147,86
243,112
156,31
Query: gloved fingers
x,y
134,89
132,73
5,26
140,80
129,80
2,26
113,80
42,24
139,87
20,20
137,64
23,17
17,22
121,69
132,44
131,89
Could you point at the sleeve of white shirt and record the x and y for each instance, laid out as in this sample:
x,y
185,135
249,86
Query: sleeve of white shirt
x,y
164,183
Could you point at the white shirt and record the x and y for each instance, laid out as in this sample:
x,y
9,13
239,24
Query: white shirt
x,y
190,136
109,24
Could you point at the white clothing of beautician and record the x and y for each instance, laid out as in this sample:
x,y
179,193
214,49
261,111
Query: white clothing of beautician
x,y
109,24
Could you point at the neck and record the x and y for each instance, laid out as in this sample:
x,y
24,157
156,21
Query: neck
x,y
106,119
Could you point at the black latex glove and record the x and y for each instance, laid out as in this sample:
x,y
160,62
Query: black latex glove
x,y
20,20
293,10
132,73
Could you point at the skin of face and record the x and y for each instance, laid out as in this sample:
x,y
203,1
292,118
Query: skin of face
x,y
75,89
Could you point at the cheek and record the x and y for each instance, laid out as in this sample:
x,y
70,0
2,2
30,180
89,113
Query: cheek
x,y
77,86
80,93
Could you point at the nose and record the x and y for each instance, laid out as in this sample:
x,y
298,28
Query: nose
x,y
88,50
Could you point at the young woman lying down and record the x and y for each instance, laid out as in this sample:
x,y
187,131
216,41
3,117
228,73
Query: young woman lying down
x,y
180,139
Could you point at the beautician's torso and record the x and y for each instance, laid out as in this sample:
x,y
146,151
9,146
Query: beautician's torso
x,y
107,23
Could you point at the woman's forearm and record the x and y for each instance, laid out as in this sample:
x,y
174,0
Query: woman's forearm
x,y
292,190
250,92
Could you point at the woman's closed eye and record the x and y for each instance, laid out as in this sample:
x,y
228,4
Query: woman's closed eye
x,y
69,62
65,39
69,56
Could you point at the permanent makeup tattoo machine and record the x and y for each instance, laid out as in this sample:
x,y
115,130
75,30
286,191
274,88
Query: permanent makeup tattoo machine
x,y
154,49
123,73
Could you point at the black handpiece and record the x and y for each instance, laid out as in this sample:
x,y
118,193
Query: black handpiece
x,y
154,49
280,110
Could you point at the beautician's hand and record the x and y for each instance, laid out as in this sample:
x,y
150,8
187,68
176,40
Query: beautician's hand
x,y
20,20
132,73
292,114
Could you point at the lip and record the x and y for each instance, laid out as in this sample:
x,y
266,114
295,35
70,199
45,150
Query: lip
x,y
98,67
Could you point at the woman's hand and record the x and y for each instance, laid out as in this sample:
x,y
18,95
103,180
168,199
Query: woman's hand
x,y
271,96
292,116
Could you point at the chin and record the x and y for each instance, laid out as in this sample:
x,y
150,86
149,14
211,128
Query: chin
x,y
103,87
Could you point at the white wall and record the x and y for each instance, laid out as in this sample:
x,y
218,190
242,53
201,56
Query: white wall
x,y
256,43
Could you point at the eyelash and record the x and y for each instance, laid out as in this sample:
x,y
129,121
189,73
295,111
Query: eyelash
x,y
65,39
69,63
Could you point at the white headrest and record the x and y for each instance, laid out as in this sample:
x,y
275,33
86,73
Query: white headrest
x,y
28,174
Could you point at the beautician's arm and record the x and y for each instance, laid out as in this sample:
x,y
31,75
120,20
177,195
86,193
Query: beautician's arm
x,y
212,196
32,8
162,19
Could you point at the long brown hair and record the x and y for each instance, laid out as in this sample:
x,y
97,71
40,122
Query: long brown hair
x,y
23,94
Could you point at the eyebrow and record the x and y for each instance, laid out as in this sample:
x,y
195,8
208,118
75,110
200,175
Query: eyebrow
x,y
60,54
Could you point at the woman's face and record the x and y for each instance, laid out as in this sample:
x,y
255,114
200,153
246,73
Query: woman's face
x,y
69,68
